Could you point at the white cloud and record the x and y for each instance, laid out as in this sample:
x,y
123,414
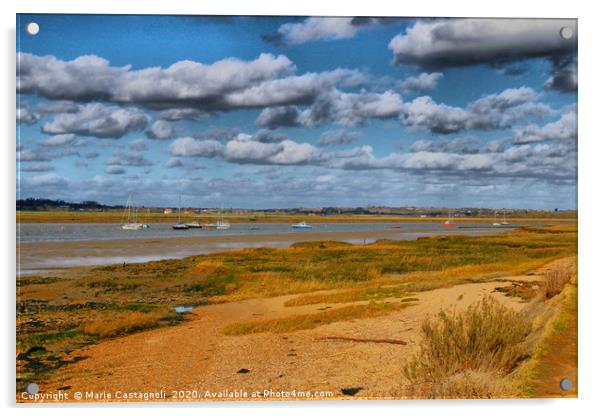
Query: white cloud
x,y
494,111
457,42
336,137
58,140
160,130
315,28
188,146
563,129
498,42
98,120
26,115
324,28
423,82
91,78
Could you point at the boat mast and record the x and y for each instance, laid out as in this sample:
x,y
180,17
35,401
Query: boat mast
x,y
180,208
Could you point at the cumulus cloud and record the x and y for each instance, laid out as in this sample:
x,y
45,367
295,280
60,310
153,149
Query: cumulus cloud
x,y
58,140
463,145
123,158
185,84
160,130
316,28
423,82
131,155
188,146
46,180
114,169
174,163
280,116
346,109
564,74
26,115
300,89
98,120
247,149
335,137
261,136
323,28
175,114
495,111
461,42
563,129
33,155
436,44
36,167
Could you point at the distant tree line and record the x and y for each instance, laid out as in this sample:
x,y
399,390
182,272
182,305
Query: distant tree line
x,y
43,204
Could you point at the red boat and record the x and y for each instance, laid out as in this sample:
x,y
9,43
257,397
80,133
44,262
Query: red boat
x,y
449,222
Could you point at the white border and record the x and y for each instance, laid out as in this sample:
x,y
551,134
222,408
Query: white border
x,y
590,174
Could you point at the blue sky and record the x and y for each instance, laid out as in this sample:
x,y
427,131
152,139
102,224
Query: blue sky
x,y
259,112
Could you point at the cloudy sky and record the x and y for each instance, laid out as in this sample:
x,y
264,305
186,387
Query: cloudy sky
x,y
260,112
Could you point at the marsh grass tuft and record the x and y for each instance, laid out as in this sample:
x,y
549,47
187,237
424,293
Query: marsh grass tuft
x,y
487,339
124,323
556,278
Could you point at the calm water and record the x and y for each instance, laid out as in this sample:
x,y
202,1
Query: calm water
x,y
71,232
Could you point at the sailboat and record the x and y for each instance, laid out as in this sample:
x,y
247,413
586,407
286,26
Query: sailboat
x,y
504,221
130,216
180,225
495,223
222,224
449,222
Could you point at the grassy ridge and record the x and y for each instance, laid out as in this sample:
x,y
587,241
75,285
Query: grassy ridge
x,y
116,216
490,350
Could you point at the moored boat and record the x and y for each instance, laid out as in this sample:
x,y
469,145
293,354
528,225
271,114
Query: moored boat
x,y
449,222
179,226
301,225
130,215
222,225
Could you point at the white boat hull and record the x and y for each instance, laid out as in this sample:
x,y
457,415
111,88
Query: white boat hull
x,y
133,227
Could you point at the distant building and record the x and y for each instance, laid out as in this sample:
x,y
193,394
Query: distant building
x,y
168,211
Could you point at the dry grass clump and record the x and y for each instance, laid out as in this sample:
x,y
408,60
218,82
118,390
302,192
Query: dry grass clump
x,y
555,278
309,321
121,325
487,338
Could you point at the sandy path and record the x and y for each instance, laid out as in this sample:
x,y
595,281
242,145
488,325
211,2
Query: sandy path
x,y
196,356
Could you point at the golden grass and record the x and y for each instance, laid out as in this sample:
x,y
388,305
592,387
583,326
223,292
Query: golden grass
x,y
556,278
309,321
370,293
112,326
487,339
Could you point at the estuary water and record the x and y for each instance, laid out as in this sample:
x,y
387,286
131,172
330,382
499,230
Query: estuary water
x,y
33,232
